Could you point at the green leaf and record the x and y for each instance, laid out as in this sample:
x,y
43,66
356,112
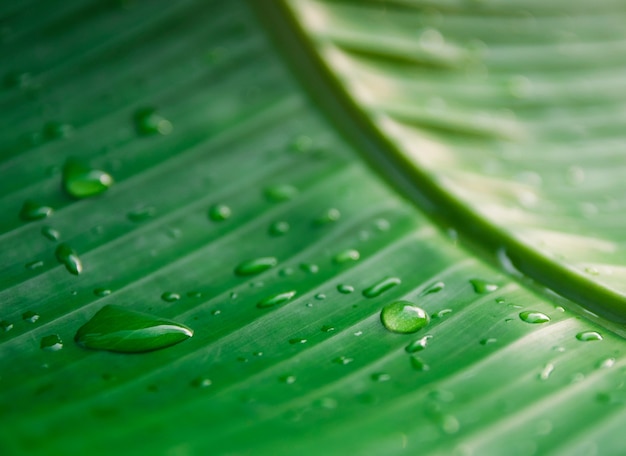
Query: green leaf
x,y
224,152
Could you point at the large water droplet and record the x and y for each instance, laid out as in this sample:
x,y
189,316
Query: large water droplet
x,y
403,317
346,256
50,233
418,345
279,228
141,214
434,288
68,256
81,181
280,193
118,329
219,212
32,210
530,316
587,336
149,122
482,287
255,266
381,286
276,299
51,343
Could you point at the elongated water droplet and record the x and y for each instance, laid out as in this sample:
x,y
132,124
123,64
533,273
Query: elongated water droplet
x,y
380,377
434,288
347,256
320,296
280,193
149,122
587,336
530,316
36,264
6,325
419,365
57,130
276,299
327,328
32,210
343,360
201,382
546,371
142,214
50,233
170,296
30,316
81,181
102,292
418,345
403,317
297,341
310,268
219,212
255,266
345,289
51,343
380,287
488,341
329,216
68,256
118,329
482,287
279,228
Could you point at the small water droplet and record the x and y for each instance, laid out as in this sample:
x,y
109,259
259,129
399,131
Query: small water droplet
x,y
418,345
280,193
34,264
57,130
488,341
575,175
346,256
403,317
500,300
419,365
310,268
530,316
358,333
194,294
520,86
345,289
587,336
255,266
592,270
258,353
607,363
6,325
233,295
30,316
201,382
149,122
68,257
17,79
434,288
546,371
442,313
382,224
301,143
327,328
219,212
297,341
115,328
483,287
329,216
141,214
81,181
276,299
288,379
380,377
242,359
101,292
320,296
216,312
51,343
449,424
50,233
170,296
279,228
381,287
32,210
343,360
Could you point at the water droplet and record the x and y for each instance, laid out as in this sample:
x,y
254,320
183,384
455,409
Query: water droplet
x,y
403,317
418,345
592,270
279,228
329,216
51,343
201,382
434,288
101,292
419,365
276,299
449,424
280,193
170,296
310,268
57,130
149,122
68,256
285,272
382,224
118,329
530,316
6,325
587,336
288,379
343,360
520,86
546,371
194,294
258,353
320,296
327,328
216,312
482,287
32,210
30,316
381,286
345,289
301,144
488,341
358,333
500,300
297,341
380,377
219,212
255,266
346,256
607,363
34,264
17,79
142,214
50,233
575,175
81,181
